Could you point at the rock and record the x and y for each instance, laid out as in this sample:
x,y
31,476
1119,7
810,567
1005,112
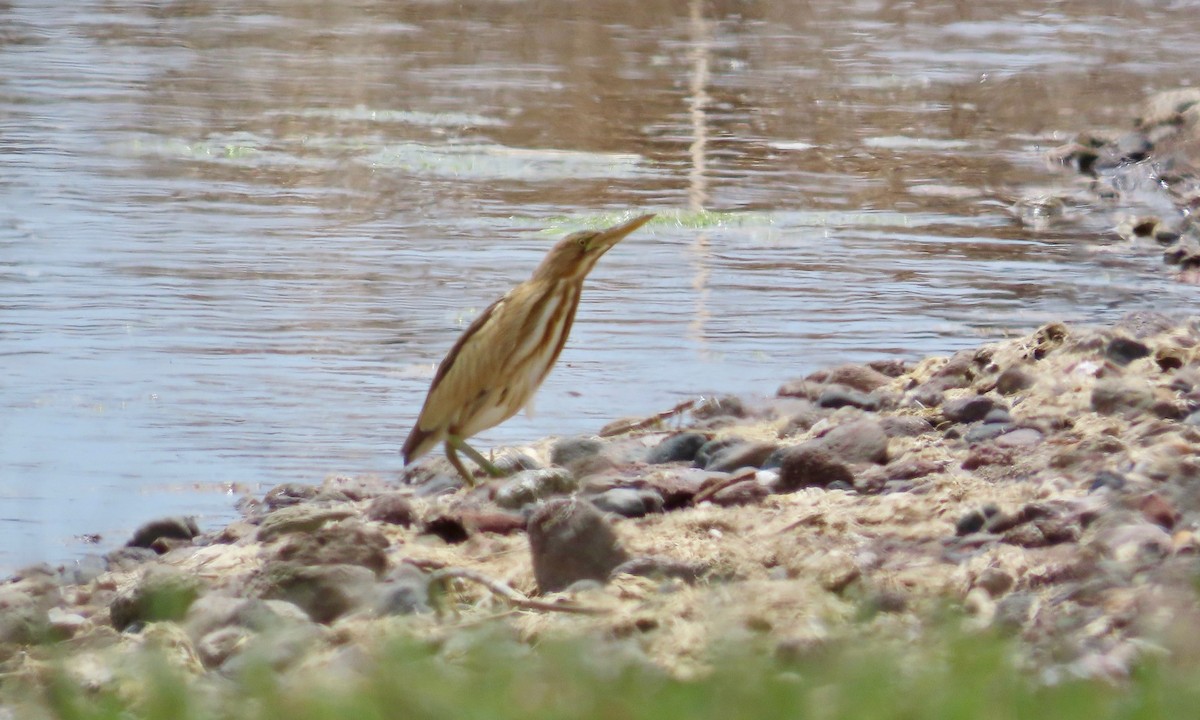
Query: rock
x,y
162,593
392,508
178,527
709,450
1159,510
1123,350
1145,323
801,421
985,432
858,377
346,543
854,442
325,592
628,502
219,645
996,582
810,465
1014,380
1107,479
904,425
299,518
800,389
836,396
530,486
681,447
449,528
968,409
211,612
677,487
1019,438
289,494
662,569
570,540
568,451
747,492
929,395
128,558
741,455
720,406
987,454
1139,544
970,523
997,415
1117,395
501,523
406,592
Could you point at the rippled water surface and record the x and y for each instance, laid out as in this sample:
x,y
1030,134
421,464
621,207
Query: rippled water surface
x,y
236,238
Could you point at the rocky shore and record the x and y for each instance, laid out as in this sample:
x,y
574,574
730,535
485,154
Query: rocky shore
x,y
1045,487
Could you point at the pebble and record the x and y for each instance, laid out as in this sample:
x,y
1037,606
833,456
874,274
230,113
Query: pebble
x,y
179,528
810,465
1014,380
985,432
741,455
501,523
857,441
836,396
1019,438
721,406
1159,510
974,521
801,421
1118,395
405,592
161,593
747,492
299,518
997,415
570,540
628,502
857,377
1108,479
568,451
393,509
529,486
968,409
709,449
324,592
349,542
681,447
905,426
1123,350
288,494
996,582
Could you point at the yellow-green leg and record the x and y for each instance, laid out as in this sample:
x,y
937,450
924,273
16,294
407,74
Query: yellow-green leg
x,y
454,442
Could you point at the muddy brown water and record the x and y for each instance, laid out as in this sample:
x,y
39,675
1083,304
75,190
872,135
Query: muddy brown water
x,y
235,238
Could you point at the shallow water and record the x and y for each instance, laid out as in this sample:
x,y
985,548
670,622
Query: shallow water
x,y
236,238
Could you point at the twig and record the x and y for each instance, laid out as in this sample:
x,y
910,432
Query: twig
x,y
648,421
510,595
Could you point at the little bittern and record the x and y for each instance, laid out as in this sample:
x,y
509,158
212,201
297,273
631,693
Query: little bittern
x,y
500,361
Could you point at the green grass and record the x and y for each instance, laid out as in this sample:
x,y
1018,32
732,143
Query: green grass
x,y
957,678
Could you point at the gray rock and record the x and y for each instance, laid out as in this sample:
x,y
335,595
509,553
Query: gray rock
x,y
929,395
628,502
345,543
1123,350
1108,479
676,448
392,508
530,486
177,528
325,592
969,409
720,406
747,492
1019,438
162,593
277,650
405,592
836,396
857,377
570,540
998,415
299,518
746,454
289,494
567,451
904,425
854,442
212,612
1014,380
1117,395
810,465
219,645
985,432
709,449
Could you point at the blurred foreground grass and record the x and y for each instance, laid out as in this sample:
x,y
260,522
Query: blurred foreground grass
x,y
960,677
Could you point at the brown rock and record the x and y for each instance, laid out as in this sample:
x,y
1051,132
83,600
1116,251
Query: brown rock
x,y
1117,395
747,492
986,454
858,441
392,508
1159,511
904,425
1014,380
1019,438
571,541
748,454
859,377
346,543
810,465
325,592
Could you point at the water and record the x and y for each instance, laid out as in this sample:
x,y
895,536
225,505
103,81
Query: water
x,y
235,238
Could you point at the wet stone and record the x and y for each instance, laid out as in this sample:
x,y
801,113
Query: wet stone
x,y
968,410
570,540
1014,380
179,528
676,448
392,508
288,494
1123,350
628,502
747,454
836,396
530,486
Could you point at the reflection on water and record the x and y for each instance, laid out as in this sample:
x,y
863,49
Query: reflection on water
x,y
235,237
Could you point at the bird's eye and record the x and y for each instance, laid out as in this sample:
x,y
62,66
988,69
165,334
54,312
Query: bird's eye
x,y
583,243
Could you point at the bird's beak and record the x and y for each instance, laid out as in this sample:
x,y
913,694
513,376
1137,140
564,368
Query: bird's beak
x,y
615,234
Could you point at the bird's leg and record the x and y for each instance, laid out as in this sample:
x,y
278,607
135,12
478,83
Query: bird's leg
x,y
480,460
462,470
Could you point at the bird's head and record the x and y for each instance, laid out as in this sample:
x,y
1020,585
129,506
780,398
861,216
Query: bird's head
x,y
575,255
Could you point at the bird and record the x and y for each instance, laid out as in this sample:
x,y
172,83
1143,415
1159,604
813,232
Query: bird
x,y
497,365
